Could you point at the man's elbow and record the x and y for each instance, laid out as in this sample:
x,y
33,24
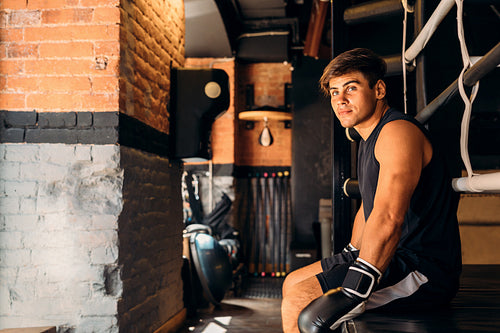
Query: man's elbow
x,y
388,220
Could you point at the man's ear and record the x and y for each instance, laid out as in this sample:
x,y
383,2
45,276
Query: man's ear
x,y
380,89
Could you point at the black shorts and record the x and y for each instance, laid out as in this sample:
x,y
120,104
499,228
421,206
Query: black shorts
x,y
403,285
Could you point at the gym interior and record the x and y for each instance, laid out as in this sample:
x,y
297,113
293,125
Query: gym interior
x,y
165,164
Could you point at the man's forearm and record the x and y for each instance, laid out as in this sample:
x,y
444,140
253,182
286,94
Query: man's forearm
x,y
357,228
380,239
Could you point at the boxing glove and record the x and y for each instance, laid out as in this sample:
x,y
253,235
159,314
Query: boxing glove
x,y
328,311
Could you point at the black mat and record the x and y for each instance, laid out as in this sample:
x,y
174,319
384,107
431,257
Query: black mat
x,y
261,287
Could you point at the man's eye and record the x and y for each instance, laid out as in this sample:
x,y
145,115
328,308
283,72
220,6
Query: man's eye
x,y
335,93
351,88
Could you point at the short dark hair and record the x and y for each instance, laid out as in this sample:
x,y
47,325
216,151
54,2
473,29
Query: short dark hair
x,y
365,61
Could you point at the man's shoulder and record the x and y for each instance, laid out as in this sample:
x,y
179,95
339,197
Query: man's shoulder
x,y
397,121
394,114
400,128
399,134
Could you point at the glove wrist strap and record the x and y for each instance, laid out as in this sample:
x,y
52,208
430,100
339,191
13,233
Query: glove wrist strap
x,y
350,248
361,278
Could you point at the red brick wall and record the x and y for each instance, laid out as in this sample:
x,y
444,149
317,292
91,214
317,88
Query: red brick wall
x,y
48,52
231,142
269,81
151,42
223,129
50,60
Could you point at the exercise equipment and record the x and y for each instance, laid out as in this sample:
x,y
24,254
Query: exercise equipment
x,y
255,209
212,266
469,77
211,257
338,305
485,65
351,188
198,97
287,215
263,226
268,216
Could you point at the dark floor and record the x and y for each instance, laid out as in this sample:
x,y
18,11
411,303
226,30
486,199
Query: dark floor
x,y
476,308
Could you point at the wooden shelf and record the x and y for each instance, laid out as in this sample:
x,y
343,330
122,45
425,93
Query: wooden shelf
x,y
260,115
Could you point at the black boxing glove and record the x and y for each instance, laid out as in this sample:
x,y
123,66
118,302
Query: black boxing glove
x,y
328,311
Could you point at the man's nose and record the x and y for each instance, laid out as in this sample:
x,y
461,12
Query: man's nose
x,y
339,99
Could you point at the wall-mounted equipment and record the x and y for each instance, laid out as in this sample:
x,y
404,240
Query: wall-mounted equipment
x,y
266,113
197,97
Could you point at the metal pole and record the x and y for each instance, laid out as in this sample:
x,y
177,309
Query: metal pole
x,y
341,155
475,73
423,36
421,90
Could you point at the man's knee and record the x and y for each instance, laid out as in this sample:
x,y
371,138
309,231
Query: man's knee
x,y
300,275
290,280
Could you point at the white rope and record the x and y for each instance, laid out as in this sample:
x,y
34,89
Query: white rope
x,y
464,136
408,8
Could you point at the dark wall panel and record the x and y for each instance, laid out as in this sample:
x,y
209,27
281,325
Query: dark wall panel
x,y
311,149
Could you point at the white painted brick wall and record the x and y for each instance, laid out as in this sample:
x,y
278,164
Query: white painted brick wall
x,y
59,207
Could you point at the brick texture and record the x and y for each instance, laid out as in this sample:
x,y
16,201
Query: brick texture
x,y
269,81
59,127
49,52
151,42
69,255
59,207
231,141
150,241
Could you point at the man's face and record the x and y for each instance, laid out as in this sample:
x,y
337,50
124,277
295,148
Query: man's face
x,y
353,101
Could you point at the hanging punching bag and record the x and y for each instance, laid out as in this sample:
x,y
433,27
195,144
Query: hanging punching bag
x,y
265,138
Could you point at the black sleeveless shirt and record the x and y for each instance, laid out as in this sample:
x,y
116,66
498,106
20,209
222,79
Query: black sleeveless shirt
x,y
430,229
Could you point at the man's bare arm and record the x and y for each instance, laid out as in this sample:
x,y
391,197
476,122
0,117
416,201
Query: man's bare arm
x,y
402,151
357,228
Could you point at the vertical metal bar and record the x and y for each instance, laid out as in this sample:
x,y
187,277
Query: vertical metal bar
x,y
341,154
256,224
420,86
332,21
263,225
288,222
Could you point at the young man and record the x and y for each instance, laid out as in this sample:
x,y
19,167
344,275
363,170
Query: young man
x,y
405,245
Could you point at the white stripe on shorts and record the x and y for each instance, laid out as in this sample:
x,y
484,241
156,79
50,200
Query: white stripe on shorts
x,y
403,288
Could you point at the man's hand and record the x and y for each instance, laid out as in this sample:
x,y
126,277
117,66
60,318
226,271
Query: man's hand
x,y
327,312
